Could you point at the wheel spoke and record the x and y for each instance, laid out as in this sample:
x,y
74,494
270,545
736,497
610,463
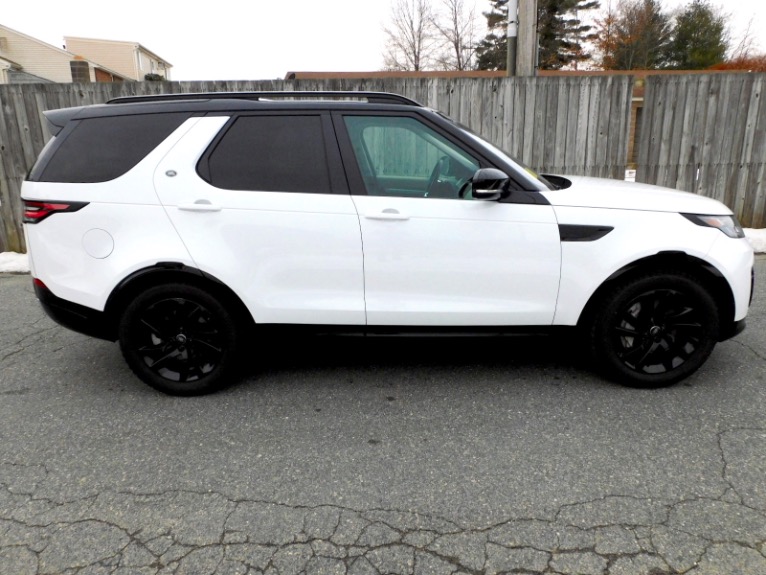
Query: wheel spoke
x,y
627,331
637,350
209,346
686,326
185,368
155,364
628,318
642,363
152,329
149,349
676,315
202,357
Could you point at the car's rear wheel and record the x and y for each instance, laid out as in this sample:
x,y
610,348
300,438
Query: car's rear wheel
x,y
179,339
654,330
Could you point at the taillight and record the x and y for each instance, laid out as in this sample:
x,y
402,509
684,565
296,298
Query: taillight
x,y
36,211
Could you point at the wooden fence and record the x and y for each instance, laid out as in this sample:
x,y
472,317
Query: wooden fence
x,y
707,134
574,125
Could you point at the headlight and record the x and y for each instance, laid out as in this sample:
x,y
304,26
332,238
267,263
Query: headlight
x,y
727,224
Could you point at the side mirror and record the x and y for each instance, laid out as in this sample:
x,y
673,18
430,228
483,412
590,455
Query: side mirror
x,y
490,184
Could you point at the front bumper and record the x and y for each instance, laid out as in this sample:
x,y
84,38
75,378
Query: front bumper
x,y
733,329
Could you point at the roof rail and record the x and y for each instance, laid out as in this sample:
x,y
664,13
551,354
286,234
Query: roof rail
x,y
372,97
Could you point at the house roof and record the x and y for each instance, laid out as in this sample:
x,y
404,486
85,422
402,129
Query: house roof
x,y
6,63
59,50
33,39
125,42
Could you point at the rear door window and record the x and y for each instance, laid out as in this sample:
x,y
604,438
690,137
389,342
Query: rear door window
x,y
277,153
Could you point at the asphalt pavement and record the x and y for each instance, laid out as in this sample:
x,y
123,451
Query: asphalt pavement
x,y
376,456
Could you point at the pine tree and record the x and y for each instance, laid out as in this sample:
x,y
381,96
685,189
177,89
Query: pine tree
x,y
560,30
562,33
491,53
700,38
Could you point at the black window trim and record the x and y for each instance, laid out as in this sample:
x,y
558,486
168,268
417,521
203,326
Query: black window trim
x,y
333,162
356,182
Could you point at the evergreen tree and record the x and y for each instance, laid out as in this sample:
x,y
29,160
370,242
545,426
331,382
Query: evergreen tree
x,y
560,30
562,33
700,38
491,52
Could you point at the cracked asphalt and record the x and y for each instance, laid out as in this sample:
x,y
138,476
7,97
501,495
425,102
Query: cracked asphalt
x,y
352,456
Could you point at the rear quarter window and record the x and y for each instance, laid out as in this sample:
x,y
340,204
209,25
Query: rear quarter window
x,y
102,149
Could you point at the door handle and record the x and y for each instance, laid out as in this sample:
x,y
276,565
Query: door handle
x,y
387,214
200,206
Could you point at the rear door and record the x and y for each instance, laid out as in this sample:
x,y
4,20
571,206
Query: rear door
x,y
261,204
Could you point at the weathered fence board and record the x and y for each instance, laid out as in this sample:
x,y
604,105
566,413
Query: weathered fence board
x,y
574,125
707,134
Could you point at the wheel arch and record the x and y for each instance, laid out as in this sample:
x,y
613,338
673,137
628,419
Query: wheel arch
x,y
671,261
172,272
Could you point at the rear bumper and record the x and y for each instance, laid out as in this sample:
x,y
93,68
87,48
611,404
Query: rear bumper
x,y
74,316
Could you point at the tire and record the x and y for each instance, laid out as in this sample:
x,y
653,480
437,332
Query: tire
x,y
654,330
180,340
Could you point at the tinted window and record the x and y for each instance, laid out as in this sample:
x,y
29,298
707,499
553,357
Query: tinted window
x,y
400,156
271,153
101,149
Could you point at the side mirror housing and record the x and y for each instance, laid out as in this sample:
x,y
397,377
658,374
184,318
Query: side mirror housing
x,y
490,184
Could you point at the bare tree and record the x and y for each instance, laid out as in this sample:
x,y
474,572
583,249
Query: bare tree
x,y
746,45
411,36
456,26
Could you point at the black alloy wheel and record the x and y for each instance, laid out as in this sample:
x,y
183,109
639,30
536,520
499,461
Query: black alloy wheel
x,y
179,339
655,330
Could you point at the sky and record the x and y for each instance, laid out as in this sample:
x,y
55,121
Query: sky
x,y
255,40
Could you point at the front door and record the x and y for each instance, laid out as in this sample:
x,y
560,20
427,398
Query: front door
x,y
432,258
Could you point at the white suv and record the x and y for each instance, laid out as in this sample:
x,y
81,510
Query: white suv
x,y
185,226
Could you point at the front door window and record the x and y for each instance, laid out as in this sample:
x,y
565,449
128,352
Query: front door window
x,y
400,156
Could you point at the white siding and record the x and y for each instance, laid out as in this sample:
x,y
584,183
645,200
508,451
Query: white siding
x,y
117,56
37,57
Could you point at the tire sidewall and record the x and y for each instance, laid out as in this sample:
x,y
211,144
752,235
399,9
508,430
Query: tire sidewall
x,y
223,372
615,303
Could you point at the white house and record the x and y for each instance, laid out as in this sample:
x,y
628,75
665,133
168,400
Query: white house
x,y
27,59
130,59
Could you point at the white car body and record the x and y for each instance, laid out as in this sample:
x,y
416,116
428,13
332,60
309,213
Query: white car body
x,y
355,259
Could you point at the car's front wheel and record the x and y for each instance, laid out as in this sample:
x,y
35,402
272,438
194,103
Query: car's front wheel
x,y
655,329
179,339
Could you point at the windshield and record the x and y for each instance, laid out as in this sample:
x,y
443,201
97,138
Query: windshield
x,y
537,181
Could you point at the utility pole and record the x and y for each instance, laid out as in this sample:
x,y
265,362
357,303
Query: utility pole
x,y
512,36
526,58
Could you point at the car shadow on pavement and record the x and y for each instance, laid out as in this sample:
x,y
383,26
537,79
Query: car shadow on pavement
x,y
420,352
